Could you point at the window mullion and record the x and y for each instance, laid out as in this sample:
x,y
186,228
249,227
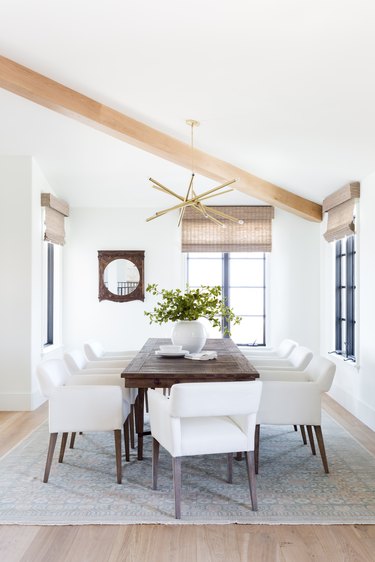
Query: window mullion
x,y
350,297
225,322
338,338
50,292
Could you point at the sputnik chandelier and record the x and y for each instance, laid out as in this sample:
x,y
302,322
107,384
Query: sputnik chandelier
x,y
191,199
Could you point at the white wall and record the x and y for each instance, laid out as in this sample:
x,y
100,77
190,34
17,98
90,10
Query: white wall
x,y
116,325
294,272
293,275
294,281
20,280
354,385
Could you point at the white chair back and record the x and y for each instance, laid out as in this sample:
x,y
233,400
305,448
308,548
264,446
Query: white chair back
x,y
51,374
75,360
93,350
321,371
286,347
191,400
300,357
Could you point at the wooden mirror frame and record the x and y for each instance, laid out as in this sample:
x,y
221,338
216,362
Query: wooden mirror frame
x,y
137,257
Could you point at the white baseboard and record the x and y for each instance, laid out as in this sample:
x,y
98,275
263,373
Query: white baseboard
x,y
359,409
20,402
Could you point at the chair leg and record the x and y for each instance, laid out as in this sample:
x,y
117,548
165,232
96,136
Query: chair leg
x,y
72,440
63,446
155,463
117,433
132,432
230,468
295,428
256,447
303,433
250,463
311,439
126,439
319,437
146,401
51,449
176,464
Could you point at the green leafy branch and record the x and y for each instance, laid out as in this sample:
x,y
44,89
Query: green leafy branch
x,y
192,304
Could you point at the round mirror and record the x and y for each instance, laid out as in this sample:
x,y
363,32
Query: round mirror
x,y
121,277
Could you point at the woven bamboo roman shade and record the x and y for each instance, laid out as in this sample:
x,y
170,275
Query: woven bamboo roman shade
x,y
255,234
55,212
340,208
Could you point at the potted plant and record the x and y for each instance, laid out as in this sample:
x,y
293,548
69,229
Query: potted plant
x,y
186,308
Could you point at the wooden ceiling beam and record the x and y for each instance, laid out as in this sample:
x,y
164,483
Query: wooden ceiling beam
x,y
46,92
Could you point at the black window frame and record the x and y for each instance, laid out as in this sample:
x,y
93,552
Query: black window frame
x,y
225,325
345,344
50,294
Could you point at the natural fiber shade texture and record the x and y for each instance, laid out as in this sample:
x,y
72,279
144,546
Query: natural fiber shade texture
x,y
55,212
340,207
199,234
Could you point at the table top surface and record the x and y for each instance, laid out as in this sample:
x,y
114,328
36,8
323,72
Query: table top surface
x,y
148,370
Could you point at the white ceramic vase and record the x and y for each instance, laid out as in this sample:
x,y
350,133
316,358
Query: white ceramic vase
x,y
191,334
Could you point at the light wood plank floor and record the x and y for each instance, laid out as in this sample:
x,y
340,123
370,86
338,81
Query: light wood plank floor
x,y
184,543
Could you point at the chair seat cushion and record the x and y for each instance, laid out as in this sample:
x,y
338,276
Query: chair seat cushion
x,y
283,376
211,435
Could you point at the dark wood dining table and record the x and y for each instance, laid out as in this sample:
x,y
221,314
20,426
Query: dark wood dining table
x,y
148,370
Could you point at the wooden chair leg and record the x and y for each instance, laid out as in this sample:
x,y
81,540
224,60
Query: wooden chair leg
x,y
250,463
230,468
303,433
72,440
131,425
63,446
256,447
319,438
126,439
295,428
117,433
176,464
311,439
155,463
146,401
51,449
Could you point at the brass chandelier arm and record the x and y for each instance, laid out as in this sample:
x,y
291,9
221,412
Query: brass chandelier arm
x,y
215,194
202,209
224,215
162,187
190,189
216,188
179,206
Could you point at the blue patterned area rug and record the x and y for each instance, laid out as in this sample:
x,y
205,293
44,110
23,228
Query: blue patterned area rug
x,y
292,487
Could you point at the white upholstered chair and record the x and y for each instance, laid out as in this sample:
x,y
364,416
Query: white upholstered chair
x,y
281,352
298,360
205,418
77,361
79,365
95,352
82,404
294,398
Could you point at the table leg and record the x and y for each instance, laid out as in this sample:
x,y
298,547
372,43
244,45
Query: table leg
x,y
140,414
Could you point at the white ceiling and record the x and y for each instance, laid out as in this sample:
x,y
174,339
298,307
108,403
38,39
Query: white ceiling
x,y
284,90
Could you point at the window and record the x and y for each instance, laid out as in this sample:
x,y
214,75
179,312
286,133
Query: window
x,y
51,299
345,298
48,309
242,278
